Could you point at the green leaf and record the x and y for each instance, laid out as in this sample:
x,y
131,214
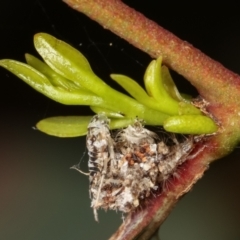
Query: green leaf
x,y
136,91
68,62
28,74
70,126
155,88
131,86
57,53
169,84
158,88
40,82
74,126
55,79
190,124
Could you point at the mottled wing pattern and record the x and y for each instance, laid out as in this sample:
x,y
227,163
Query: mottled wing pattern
x,y
97,143
129,166
100,150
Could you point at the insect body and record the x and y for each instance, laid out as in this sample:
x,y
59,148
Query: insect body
x,y
98,139
100,151
125,168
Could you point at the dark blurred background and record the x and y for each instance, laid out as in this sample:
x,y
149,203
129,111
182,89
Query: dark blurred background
x,y
40,197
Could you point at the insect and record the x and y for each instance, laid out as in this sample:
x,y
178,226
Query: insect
x,y
101,154
127,166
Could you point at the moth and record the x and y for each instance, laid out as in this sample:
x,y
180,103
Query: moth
x,y
128,166
101,154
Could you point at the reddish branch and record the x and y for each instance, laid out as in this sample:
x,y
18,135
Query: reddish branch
x,y
219,86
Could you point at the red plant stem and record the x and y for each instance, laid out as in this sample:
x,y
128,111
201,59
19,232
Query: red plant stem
x,y
146,221
219,86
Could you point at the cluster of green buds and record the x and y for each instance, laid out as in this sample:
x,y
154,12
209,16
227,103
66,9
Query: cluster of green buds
x,y
66,77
